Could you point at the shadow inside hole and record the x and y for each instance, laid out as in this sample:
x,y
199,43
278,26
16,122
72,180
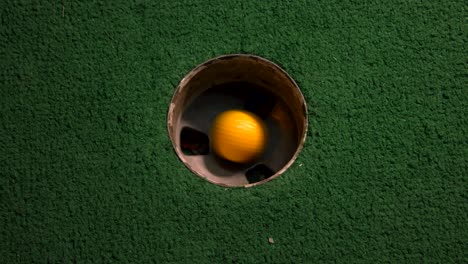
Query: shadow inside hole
x,y
221,167
260,103
194,142
258,173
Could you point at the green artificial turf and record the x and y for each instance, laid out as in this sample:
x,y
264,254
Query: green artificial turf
x,y
88,174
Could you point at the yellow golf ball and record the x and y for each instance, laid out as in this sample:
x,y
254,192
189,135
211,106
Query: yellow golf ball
x,y
238,135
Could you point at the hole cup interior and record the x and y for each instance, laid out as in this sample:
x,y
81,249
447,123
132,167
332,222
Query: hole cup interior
x,y
237,82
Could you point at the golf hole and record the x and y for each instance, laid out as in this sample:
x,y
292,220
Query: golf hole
x,y
244,82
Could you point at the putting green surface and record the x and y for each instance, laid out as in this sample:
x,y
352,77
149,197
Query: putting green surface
x,y
88,173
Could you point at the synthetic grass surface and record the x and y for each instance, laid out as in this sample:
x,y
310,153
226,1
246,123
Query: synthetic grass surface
x,y
88,173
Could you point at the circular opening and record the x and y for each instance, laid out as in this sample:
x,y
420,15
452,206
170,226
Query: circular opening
x,y
245,82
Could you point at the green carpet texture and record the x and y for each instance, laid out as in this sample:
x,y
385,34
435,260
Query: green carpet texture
x,y
89,175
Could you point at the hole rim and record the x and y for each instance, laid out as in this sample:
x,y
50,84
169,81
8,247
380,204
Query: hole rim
x,y
192,73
